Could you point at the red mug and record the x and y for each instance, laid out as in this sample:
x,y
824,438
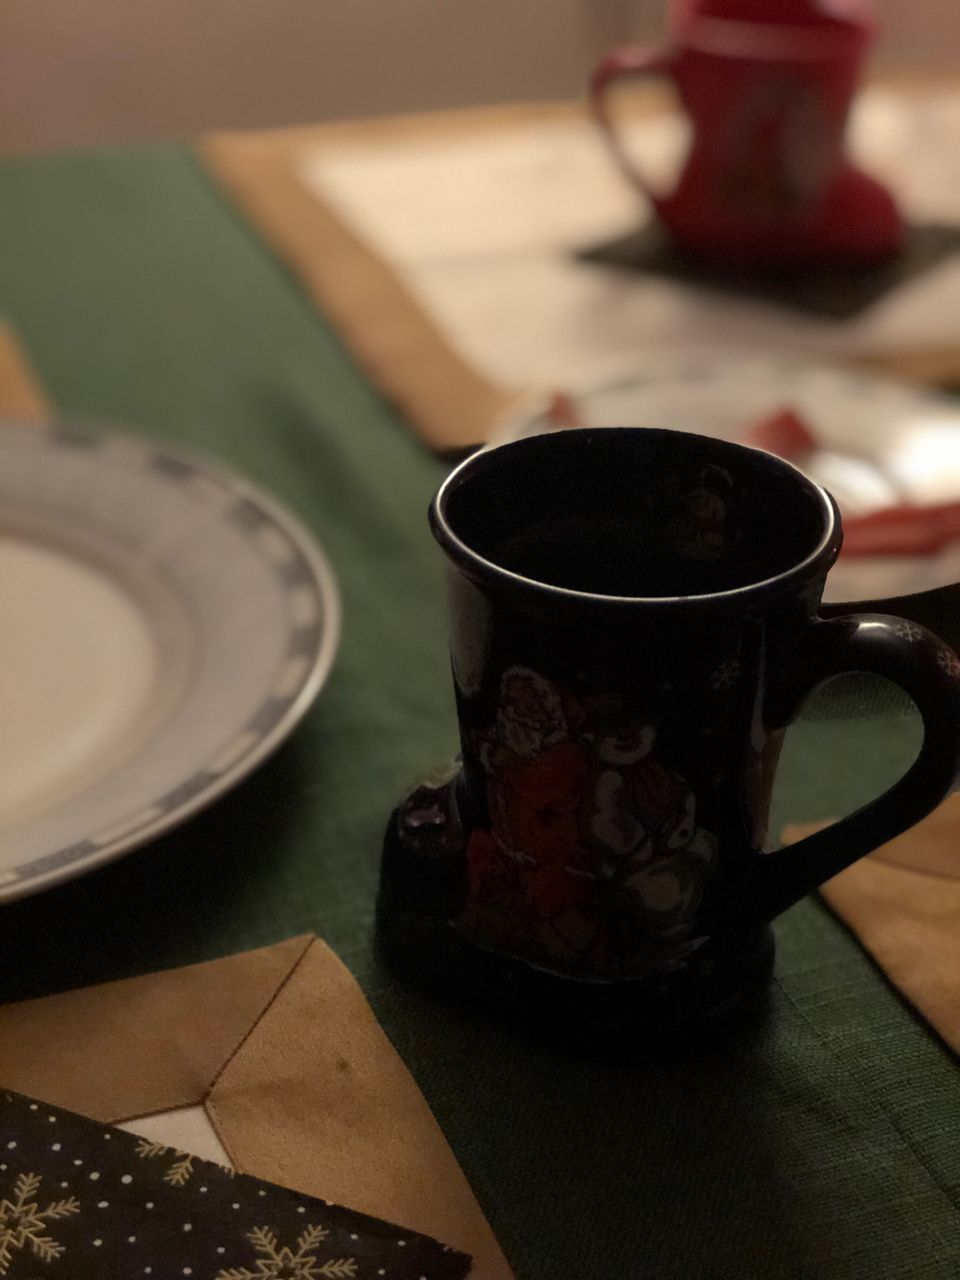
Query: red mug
x,y
767,88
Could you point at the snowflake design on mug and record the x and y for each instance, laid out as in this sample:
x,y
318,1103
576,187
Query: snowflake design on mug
x,y
725,676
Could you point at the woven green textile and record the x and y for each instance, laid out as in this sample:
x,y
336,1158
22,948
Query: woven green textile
x,y
824,1144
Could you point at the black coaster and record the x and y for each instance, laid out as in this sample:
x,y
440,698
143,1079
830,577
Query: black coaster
x,y
83,1201
835,290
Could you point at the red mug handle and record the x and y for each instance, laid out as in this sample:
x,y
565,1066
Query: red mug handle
x,y
619,65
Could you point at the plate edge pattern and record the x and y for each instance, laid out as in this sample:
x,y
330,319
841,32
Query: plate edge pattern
x,y
298,564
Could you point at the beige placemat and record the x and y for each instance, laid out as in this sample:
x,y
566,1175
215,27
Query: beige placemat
x,y
903,904
21,395
440,247
392,337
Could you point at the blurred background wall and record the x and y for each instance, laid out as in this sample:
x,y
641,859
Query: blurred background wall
x,y
113,70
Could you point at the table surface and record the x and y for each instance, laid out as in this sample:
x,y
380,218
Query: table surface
x,y
821,1143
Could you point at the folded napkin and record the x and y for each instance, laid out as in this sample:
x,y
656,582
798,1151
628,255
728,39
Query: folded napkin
x,y
93,1201
903,904
289,1065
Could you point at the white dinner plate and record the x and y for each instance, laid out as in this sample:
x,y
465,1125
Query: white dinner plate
x,y
163,627
883,442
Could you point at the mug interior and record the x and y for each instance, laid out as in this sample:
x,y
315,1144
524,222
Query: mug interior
x,y
634,512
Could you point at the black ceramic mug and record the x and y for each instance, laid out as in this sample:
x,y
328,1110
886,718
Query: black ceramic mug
x,y
633,625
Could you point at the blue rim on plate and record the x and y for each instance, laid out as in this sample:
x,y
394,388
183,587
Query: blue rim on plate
x,y
303,580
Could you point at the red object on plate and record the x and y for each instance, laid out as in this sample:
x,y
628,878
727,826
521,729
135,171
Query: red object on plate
x,y
784,433
902,531
562,411
767,86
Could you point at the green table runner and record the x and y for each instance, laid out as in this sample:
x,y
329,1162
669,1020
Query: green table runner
x,y
823,1144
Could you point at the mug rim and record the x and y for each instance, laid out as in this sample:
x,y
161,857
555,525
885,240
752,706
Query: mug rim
x,y
482,569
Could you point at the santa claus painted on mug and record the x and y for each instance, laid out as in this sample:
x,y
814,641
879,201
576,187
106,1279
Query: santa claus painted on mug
x,y
589,835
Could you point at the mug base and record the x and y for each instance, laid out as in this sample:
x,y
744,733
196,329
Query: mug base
x,y
422,886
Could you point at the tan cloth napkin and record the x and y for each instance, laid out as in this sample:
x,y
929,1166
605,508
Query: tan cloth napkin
x,y
903,904
283,1052
21,396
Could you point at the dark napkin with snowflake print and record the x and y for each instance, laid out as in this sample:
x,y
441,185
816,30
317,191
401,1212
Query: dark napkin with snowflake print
x,y
83,1201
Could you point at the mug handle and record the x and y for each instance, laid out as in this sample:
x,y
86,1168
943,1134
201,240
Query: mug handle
x,y
929,673
618,65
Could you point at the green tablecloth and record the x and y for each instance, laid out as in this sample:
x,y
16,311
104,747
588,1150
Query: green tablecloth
x,y
826,1143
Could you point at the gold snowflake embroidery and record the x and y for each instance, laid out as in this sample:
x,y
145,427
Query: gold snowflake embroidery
x,y
22,1222
180,1171
948,661
281,1263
